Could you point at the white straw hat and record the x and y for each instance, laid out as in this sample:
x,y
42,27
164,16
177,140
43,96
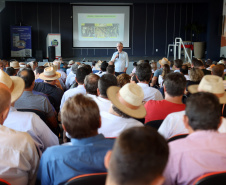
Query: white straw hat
x,y
49,74
128,99
164,61
15,64
14,83
210,83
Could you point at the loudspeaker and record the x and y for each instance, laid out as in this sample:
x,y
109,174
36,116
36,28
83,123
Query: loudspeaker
x,y
52,53
39,55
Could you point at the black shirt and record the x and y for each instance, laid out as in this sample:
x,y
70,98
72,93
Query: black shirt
x,y
54,93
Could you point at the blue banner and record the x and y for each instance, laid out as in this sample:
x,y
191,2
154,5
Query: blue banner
x,y
21,41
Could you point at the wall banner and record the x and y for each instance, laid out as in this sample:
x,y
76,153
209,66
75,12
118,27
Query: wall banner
x,y
21,41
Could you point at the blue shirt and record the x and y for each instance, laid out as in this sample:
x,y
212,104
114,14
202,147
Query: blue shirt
x,y
82,156
158,72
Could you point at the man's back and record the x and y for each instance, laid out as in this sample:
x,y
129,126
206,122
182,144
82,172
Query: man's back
x,y
54,93
158,110
199,153
112,125
28,100
33,125
150,93
81,156
19,157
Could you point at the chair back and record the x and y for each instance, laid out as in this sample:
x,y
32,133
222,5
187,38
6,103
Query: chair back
x,y
88,179
216,178
179,136
40,113
154,124
3,182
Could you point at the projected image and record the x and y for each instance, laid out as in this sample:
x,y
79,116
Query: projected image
x,y
100,26
108,30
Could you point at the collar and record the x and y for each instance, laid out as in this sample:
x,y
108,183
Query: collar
x,y
88,140
80,87
143,84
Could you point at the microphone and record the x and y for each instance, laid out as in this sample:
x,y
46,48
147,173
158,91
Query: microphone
x,y
118,55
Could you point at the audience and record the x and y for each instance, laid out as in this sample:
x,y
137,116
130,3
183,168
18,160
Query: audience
x,y
144,74
173,124
139,157
174,88
126,105
85,154
19,156
98,108
203,150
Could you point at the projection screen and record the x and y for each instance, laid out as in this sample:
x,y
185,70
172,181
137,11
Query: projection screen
x,y
101,26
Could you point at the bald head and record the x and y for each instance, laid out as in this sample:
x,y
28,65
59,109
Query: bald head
x,y
5,102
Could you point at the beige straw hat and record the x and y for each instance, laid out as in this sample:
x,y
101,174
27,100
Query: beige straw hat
x,y
164,61
212,84
128,99
14,83
49,74
15,64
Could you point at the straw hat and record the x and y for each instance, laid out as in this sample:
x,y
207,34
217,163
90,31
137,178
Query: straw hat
x,y
15,64
71,62
98,64
164,61
14,83
49,74
128,99
210,83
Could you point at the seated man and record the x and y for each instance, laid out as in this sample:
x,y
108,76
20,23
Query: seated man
x,y
139,157
38,71
85,154
80,76
28,100
91,84
197,63
177,65
103,69
174,87
203,150
19,157
71,76
143,72
126,105
104,83
49,86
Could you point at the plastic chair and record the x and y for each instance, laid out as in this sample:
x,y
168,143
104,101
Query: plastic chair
x,y
179,136
154,124
88,179
41,114
216,178
3,182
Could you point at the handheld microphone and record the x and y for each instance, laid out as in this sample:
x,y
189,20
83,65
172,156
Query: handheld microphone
x,y
118,55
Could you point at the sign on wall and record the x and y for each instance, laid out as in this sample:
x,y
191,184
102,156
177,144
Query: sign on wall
x,y
21,41
54,40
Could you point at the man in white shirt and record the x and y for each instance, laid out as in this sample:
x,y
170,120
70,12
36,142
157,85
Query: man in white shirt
x,y
103,69
71,62
120,58
104,83
144,73
80,76
19,156
126,105
71,77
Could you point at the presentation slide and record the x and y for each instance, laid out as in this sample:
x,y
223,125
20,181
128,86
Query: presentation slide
x,y
103,29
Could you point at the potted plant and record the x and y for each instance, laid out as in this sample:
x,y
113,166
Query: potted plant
x,y
199,47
